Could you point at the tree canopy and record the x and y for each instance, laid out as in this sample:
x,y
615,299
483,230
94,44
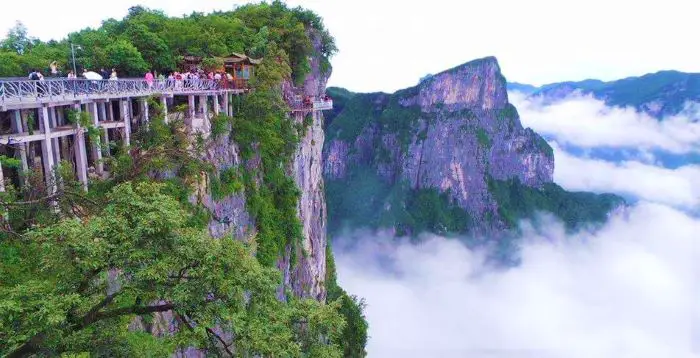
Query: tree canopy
x,y
159,41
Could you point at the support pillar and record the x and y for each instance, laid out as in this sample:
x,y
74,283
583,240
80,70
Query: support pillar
x,y
81,162
144,108
47,150
110,111
22,147
226,111
203,106
206,125
217,108
105,131
164,103
190,110
54,141
95,141
124,108
230,104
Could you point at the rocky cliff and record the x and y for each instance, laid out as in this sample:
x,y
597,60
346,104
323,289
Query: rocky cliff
x,y
397,159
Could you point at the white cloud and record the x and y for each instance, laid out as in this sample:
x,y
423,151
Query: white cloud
x,y
624,291
587,122
677,187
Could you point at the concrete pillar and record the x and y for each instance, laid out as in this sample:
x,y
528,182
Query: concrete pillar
x,y
203,106
164,103
110,111
96,149
105,131
230,104
22,147
54,141
226,104
81,162
144,108
124,108
47,157
2,179
217,108
190,111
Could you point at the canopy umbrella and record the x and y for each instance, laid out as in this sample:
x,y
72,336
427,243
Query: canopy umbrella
x,y
91,75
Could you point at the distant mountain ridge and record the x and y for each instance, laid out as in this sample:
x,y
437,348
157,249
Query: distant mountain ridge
x,y
658,94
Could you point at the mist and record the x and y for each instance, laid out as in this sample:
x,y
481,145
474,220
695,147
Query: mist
x,y
625,290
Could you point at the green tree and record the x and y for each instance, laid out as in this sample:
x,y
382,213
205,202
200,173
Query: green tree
x,y
154,50
125,58
17,39
9,64
74,286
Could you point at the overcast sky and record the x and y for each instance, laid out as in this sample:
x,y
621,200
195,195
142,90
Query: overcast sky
x,y
389,44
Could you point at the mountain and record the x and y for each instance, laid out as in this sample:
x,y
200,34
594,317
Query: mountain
x,y
659,94
446,156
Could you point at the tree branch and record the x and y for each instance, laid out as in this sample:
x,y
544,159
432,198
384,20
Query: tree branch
x,y
221,340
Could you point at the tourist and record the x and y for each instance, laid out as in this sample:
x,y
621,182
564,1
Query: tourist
x,y
149,79
104,74
54,69
71,75
113,76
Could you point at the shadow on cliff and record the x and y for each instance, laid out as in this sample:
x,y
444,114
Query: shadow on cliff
x,y
621,291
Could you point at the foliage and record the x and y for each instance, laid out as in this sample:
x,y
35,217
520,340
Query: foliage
x,y
225,183
340,97
517,201
363,199
148,39
483,138
135,254
125,58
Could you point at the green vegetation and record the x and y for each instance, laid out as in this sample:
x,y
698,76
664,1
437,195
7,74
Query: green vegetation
x,y
340,97
148,39
483,138
517,201
365,200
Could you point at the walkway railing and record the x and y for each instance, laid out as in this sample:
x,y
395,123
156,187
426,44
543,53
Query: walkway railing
x,y
19,91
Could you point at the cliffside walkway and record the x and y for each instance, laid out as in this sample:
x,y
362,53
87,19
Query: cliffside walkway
x,y
37,111
16,94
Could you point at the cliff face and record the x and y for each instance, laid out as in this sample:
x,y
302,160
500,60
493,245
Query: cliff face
x,y
306,279
453,132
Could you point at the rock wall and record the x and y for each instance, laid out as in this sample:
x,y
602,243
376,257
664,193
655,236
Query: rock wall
x,y
306,278
452,132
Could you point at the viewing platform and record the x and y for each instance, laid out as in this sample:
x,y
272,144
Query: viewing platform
x,y
21,94
36,128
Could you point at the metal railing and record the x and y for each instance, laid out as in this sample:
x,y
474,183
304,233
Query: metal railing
x,y
50,89
323,105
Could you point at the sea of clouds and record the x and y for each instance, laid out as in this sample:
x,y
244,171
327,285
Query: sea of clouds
x,y
626,290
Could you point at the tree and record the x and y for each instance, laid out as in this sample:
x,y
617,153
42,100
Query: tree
x,y
9,64
154,50
17,39
126,58
74,286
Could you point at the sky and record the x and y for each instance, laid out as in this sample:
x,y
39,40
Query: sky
x,y
626,290
387,45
